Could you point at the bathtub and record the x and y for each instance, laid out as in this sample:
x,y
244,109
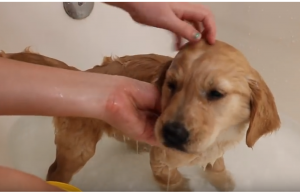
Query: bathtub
x,y
268,35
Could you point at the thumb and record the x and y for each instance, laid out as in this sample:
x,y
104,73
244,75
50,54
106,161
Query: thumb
x,y
146,96
184,29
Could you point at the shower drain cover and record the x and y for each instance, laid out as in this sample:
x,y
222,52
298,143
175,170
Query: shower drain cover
x,y
78,10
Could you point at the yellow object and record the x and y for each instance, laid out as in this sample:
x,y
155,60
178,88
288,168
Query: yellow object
x,y
64,186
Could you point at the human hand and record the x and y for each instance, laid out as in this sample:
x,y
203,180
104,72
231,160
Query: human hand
x,y
172,17
132,107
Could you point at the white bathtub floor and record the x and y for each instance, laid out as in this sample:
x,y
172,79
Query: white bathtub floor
x,y
273,165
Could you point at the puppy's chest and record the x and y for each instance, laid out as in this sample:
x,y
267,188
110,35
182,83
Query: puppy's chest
x,y
208,157
223,143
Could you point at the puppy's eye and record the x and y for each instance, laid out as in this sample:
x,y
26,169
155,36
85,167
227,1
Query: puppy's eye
x,y
172,86
214,95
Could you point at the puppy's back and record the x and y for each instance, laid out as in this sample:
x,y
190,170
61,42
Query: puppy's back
x,y
146,67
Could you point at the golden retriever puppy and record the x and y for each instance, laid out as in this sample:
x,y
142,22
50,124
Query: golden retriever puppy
x,y
211,99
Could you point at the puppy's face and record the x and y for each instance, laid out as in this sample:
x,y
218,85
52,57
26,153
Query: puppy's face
x,y
209,90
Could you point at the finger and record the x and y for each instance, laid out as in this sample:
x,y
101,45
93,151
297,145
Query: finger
x,y
140,125
148,134
204,32
199,13
152,142
183,29
197,26
145,96
209,32
178,42
133,122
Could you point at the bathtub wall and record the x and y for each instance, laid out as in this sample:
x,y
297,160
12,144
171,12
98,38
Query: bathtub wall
x,y
267,33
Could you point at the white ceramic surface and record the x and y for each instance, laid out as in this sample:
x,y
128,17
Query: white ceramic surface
x,y
267,33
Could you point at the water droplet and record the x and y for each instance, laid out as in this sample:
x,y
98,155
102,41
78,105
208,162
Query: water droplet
x,y
249,34
262,9
292,18
279,16
293,41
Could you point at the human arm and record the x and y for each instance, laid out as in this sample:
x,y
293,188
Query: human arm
x,y
14,180
171,16
29,89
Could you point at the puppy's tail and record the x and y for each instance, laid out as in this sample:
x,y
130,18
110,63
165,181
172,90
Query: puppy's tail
x,y
30,57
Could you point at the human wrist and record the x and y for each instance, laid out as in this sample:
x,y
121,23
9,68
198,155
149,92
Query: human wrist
x,y
108,89
93,95
85,95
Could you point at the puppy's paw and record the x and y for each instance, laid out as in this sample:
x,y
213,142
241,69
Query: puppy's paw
x,y
222,181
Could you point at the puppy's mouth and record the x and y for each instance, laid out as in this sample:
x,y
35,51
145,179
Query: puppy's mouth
x,y
175,147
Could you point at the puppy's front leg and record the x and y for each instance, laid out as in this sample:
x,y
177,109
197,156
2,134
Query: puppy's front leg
x,y
218,176
168,178
75,140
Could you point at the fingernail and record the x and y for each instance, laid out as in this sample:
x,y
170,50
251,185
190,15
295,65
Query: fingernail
x,y
197,35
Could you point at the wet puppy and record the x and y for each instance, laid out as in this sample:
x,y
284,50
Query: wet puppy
x,y
211,99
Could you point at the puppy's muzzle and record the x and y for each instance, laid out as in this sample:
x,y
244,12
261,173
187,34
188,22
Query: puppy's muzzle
x,y
175,135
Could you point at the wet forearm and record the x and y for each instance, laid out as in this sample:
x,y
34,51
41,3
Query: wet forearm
x,y
28,89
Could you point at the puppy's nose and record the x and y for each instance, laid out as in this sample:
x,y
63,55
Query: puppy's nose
x,y
175,135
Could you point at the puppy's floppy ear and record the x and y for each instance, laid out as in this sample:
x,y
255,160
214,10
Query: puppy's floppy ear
x,y
162,75
264,117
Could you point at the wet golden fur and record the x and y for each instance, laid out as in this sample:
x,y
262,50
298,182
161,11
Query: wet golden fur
x,y
215,123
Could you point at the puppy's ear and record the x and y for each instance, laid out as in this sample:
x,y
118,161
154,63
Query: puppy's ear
x,y
159,82
264,117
